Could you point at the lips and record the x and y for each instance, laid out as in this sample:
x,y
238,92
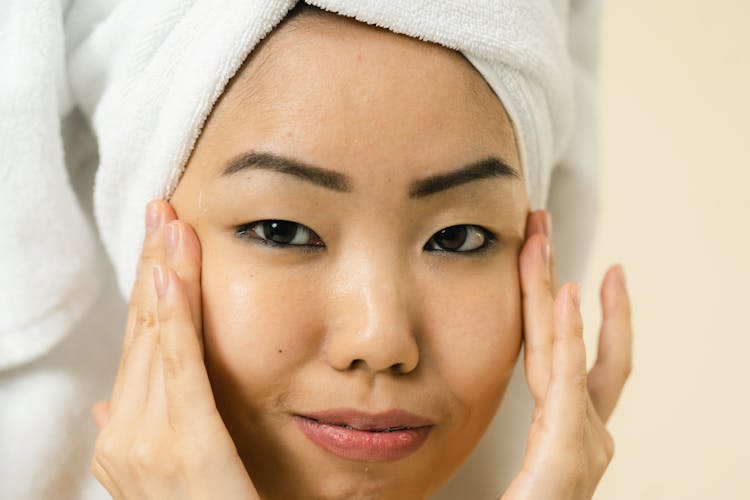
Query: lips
x,y
356,435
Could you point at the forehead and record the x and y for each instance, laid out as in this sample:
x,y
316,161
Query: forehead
x,y
342,94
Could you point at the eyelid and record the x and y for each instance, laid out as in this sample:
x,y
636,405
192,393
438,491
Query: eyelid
x,y
491,241
245,231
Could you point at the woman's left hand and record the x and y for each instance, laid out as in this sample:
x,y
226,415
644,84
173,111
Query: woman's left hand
x,y
568,447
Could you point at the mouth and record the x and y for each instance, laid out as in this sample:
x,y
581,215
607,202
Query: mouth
x,y
360,436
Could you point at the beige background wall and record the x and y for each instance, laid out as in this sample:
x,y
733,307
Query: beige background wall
x,y
676,212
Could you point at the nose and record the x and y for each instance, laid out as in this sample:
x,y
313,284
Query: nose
x,y
372,326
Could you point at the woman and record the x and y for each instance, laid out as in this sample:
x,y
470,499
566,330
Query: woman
x,y
352,252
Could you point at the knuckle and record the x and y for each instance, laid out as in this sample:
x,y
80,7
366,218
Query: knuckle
x,y
156,457
626,369
144,454
608,447
107,447
173,364
600,462
145,320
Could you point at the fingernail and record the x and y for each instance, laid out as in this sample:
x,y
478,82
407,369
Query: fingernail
x,y
152,217
621,276
173,237
575,295
547,224
161,280
545,251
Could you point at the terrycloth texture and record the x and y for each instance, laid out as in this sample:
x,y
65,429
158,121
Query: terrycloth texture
x,y
47,248
151,72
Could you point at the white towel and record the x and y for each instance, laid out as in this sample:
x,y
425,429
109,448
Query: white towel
x,y
48,279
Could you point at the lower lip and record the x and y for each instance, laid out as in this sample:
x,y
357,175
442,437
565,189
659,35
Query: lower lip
x,y
355,444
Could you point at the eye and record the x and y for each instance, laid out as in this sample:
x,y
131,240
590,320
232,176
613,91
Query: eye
x,y
461,238
280,233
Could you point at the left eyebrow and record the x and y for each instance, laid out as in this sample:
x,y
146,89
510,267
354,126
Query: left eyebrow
x,y
487,168
483,169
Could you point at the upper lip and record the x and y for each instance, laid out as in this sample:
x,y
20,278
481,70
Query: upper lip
x,y
349,417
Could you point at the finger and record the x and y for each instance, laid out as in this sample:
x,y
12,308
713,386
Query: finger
x,y
538,222
565,403
158,214
142,308
614,357
100,413
184,257
188,391
537,314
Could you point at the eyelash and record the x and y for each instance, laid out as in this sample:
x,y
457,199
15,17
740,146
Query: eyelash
x,y
249,231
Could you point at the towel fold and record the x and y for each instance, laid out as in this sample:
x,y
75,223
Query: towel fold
x,y
47,247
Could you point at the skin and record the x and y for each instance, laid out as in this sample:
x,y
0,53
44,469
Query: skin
x,y
228,338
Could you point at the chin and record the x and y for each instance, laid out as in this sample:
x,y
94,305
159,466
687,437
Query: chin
x,y
364,484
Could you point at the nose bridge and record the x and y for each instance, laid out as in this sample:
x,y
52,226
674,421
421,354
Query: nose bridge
x,y
374,326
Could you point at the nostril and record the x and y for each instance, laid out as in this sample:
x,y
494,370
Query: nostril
x,y
397,368
357,363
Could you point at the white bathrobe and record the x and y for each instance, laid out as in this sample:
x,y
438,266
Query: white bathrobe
x,y
61,316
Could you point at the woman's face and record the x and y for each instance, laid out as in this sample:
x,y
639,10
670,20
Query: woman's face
x,y
391,285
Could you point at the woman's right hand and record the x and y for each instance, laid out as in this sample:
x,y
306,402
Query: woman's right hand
x,y
162,436
568,447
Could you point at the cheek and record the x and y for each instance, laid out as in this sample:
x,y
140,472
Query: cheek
x,y
259,326
475,340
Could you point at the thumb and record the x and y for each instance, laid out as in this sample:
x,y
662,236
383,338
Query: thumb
x,y
100,413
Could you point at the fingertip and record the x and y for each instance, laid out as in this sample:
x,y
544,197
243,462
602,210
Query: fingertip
x,y
534,262
189,241
167,209
614,293
100,413
538,222
620,274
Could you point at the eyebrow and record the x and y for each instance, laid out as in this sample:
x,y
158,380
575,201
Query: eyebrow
x,y
490,167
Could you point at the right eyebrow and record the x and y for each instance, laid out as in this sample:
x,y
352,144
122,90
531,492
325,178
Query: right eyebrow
x,y
268,161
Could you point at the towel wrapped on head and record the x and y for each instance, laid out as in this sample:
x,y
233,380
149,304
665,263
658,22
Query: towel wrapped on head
x,y
164,73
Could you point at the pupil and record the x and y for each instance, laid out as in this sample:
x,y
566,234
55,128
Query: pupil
x,y
280,231
451,238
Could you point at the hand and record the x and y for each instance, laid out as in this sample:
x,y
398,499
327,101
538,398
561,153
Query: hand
x,y
162,437
568,446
